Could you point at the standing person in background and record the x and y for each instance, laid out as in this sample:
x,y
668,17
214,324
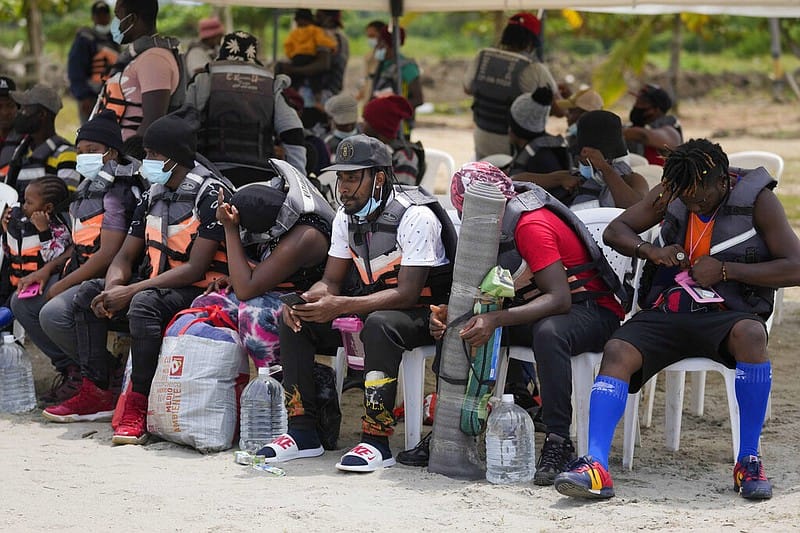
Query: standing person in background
x,y
652,131
9,138
92,54
382,119
498,75
333,81
205,48
373,31
385,79
310,51
148,80
42,151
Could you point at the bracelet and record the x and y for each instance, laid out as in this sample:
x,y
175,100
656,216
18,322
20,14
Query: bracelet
x,y
724,272
636,248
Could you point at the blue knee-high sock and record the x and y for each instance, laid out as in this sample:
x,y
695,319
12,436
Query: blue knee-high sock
x,y
606,407
753,382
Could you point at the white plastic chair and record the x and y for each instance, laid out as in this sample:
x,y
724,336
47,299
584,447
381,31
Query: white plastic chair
x,y
758,158
637,160
433,160
8,197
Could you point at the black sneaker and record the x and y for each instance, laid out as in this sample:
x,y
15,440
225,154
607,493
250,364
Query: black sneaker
x,y
418,455
557,453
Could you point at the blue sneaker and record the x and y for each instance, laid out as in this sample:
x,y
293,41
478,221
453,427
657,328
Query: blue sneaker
x,y
749,479
585,478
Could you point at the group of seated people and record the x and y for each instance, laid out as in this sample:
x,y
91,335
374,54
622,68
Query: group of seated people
x,y
155,227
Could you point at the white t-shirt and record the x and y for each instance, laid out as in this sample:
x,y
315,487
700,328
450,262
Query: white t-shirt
x,y
419,237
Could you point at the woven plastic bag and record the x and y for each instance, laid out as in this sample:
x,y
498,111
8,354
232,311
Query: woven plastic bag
x,y
194,397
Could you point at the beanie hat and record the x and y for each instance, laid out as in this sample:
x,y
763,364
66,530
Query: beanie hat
x,y
210,27
239,46
387,36
103,128
602,130
482,172
342,108
175,136
529,21
258,205
529,112
385,114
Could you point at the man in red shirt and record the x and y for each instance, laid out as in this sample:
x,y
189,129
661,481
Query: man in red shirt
x,y
561,308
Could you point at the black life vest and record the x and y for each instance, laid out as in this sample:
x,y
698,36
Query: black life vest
x,y
24,168
495,87
377,257
555,143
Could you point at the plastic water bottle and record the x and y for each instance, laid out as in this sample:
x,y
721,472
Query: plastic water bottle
x,y
263,413
510,448
17,394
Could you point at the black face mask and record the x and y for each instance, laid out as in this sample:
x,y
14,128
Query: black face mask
x,y
637,116
27,123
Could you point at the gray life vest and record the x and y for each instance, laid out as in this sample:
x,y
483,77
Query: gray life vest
x,y
734,239
377,256
531,197
87,208
173,223
301,198
239,116
7,150
556,143
494,88
592,194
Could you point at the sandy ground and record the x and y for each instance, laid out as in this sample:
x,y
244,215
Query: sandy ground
x,y
70,477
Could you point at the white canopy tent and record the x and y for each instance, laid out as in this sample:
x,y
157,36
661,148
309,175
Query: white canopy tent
x,y
761,8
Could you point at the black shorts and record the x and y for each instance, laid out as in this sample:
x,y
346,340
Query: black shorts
x,y
666,338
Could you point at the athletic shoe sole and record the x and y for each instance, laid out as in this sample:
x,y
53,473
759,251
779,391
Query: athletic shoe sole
x,y
756,494
130,439
100,416
387,463
568,488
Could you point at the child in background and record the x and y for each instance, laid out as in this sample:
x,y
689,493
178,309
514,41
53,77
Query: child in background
x,y
35,233
301,47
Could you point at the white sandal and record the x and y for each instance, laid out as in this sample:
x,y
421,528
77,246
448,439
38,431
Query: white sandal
x,y
369,455
286,449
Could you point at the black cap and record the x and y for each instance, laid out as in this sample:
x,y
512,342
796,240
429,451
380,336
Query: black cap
x,y
602,130
6,86
175,136
102,128
361,151
258,205
656,96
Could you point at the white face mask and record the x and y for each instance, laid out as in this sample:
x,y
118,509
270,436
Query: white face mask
x,y
339,134
372,42
102,28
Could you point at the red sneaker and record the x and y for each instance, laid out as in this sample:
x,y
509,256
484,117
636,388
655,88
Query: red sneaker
x,y
65,385
132,428
91,404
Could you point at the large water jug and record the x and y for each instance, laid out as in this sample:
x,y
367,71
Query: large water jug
x,y
17,394
510,448
263,413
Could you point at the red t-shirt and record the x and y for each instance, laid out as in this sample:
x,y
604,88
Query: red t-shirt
x,y
542,238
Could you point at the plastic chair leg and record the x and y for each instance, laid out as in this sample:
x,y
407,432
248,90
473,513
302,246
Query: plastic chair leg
x,y
650,398
733,408
698,391
413,367
583,367
631,430
674,408
340,369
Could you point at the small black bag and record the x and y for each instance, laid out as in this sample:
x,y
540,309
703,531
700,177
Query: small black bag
x,y
329,416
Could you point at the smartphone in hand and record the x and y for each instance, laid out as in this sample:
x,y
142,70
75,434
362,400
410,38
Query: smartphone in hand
x,y
30,291
291,299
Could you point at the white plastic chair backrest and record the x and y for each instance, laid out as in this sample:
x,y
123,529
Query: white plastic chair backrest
x,y
637,160
8,194
596,220
433,160
651,173
758,158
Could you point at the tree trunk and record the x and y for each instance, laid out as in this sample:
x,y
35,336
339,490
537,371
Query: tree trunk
x,y
675,58
35,41
499,21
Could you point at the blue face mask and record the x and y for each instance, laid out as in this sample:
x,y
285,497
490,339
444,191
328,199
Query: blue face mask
x,y
339,134
371,205
380,54
116,33
153,171
89,165
586,170
372,42
572,131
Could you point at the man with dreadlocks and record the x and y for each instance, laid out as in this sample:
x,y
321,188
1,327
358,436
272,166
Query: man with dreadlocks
x,y
726,228
402,244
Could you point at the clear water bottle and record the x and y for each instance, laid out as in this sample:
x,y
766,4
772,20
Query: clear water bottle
x,y
510,448
17,394
263,413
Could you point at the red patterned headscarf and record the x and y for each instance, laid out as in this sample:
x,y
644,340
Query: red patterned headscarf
x,y
478,171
